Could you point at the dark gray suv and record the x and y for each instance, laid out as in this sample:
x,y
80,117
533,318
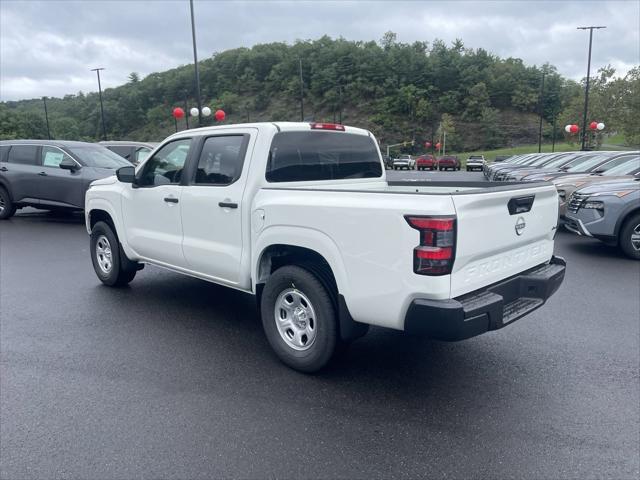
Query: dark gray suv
x,y
50,174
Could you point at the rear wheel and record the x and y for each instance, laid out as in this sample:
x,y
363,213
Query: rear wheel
x,y
629,238
299,318
7,207
110,263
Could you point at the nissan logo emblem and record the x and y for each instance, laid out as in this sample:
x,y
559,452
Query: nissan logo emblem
x,y
520,224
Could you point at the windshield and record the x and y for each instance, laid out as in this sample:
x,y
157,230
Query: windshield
x,y
100,157
529,160
557,162
542,160
588,163
628,166
308,156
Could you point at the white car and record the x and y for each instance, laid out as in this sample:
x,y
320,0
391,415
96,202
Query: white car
x,y
475,162
302,216
404,161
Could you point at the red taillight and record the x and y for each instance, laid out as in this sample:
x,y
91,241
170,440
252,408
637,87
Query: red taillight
x,y
436,252
327,126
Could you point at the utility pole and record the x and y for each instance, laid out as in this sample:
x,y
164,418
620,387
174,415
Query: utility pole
x,y
301,92
340,103
46,116
104,129
541,108
195,62
586,90
553,135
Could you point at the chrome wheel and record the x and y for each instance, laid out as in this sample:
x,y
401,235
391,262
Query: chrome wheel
x,y
635,237
103,254
2,204
295,319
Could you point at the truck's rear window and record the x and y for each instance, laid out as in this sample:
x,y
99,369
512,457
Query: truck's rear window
x,y
306,156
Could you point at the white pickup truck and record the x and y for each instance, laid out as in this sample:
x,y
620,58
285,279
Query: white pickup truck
x,y
302,216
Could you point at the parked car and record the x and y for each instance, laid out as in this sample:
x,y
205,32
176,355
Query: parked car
x,y
501,158
282,211
622,169
135,152
426,162
550,164
404,161
609,212
475,162
448,162
586,162
494,169
388,162
534,160
51,174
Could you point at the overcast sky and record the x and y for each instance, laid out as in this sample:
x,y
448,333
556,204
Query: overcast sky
x,y
48,47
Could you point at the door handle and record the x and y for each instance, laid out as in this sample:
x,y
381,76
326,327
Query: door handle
x,y
43,174
4,169
171,199
228,205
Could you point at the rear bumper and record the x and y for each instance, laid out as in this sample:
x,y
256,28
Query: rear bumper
x,y
487,309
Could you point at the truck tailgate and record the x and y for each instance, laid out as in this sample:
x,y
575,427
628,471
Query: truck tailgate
x,y
502,233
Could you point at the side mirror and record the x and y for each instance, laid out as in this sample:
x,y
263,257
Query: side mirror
x,y
126,174
68,164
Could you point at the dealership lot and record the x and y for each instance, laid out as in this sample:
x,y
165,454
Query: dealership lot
x,y
173,378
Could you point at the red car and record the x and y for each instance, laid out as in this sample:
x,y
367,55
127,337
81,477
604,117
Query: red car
x,y
449,162
426,162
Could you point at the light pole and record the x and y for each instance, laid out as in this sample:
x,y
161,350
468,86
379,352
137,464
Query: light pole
x,y
586,90
195,62
104,129
186,109
301,92
46,116
541,108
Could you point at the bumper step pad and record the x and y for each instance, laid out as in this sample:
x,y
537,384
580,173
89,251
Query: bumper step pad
x,y
488,309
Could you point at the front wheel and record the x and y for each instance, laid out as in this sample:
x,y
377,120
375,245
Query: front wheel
x,y
299,319
110,263
630,237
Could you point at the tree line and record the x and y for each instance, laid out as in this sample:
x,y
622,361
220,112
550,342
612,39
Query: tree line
x,y
400,91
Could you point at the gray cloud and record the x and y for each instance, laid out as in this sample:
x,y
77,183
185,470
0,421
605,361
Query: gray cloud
x,y
47,48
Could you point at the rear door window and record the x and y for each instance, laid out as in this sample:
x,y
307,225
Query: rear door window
x,y
23,154
221,160
123,150
309,156
4,149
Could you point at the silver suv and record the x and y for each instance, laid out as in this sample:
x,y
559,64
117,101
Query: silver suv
x,y
609,212
475,162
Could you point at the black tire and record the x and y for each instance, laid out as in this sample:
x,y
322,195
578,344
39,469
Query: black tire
x,y
301,281
7,207
121,270
631,226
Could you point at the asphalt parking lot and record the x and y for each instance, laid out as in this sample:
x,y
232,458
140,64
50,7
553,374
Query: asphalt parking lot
x,y
173,378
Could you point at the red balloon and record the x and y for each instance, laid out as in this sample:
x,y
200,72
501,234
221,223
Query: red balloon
x,y
574,129
178,113
219,115
438,145
593,125
427,144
